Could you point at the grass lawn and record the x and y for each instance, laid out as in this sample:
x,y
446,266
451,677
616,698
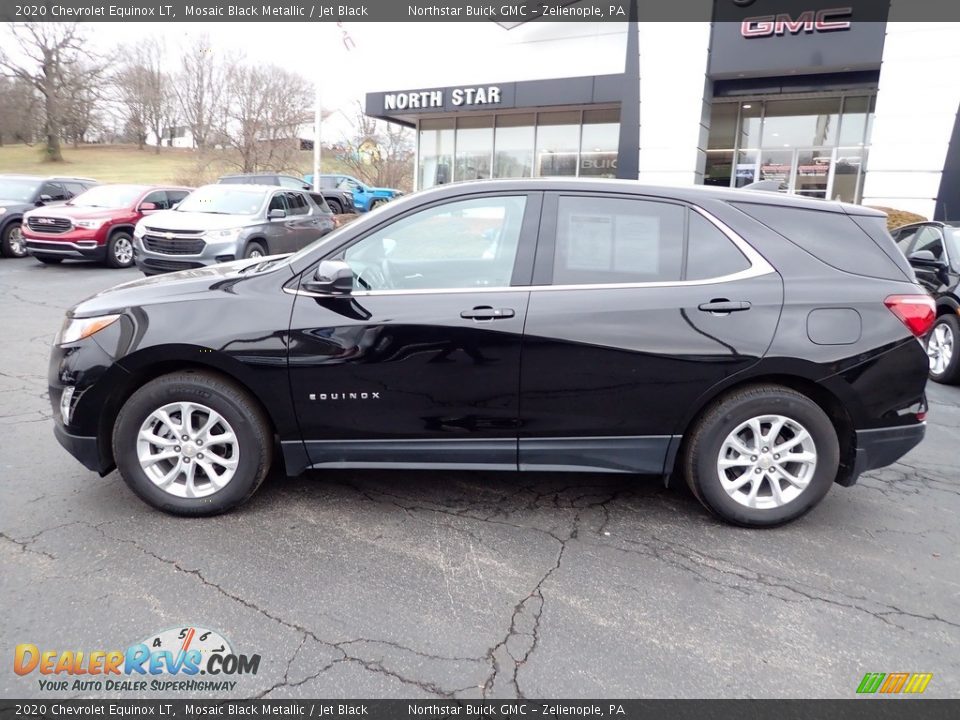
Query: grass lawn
x,y
125,163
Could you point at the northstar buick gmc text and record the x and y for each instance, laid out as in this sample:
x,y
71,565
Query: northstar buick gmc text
x,y
762,347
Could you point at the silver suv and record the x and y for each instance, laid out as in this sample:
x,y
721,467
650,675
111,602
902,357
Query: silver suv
x,y
219,223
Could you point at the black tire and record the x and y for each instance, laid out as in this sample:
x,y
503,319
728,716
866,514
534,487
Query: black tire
x,y
376,203
11,243
335,207
49,259
950,375
247,420
120,250
703,448
254,249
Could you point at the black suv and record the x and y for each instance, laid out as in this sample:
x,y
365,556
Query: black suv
x,y
19,193
331,199
762,347
933,249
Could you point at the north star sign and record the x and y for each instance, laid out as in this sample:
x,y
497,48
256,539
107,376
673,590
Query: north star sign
x,y
423,99
808,22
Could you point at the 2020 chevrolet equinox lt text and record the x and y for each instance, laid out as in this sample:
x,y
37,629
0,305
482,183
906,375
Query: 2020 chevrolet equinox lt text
x,y
760,346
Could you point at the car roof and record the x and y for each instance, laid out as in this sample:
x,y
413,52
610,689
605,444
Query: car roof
x,y
688,193
18,176
251,186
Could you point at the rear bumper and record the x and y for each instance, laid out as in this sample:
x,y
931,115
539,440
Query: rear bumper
x,y
884,446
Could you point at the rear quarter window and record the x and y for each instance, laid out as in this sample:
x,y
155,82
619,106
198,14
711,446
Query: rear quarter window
x,y
834,238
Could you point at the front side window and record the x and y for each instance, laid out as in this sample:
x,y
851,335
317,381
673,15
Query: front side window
x,y
463,244
612,240
158,198
54,191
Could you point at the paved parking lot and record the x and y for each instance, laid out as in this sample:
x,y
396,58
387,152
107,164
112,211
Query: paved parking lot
x,y
442,584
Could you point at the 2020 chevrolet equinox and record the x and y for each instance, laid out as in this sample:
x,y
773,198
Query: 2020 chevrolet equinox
x,y
760,346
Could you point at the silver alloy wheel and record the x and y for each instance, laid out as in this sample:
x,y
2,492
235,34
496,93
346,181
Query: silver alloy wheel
x,y
188,450
17,247
255,253
123,251
940,347
767,462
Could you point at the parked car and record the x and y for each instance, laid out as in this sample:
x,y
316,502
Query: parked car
x,y
219,223
19,193
933,249
330,199
365,198
761,346
97,224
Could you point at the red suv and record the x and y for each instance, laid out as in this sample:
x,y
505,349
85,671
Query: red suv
x,y
97,224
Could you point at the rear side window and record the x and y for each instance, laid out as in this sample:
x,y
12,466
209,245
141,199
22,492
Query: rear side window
x,y
832,237
612,240
710,253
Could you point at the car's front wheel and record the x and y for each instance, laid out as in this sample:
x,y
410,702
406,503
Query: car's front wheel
x,y
335,207
11,243
943,350
120,250
192,443
762,456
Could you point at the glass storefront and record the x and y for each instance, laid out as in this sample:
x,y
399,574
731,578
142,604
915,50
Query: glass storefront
x,y
816,147
547,143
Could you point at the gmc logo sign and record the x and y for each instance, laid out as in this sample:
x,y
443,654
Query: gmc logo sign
x,y
807,22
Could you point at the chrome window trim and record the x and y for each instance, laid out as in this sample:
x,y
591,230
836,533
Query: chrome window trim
x,y
758,267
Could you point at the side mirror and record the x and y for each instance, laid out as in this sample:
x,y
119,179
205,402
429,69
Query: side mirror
x,y
147,207
276,214
925,258
333,277
44,199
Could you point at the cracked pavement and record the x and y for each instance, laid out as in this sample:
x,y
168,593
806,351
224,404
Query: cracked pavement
x,y
472,585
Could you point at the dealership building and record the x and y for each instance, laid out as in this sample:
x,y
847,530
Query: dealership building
x,y
830,102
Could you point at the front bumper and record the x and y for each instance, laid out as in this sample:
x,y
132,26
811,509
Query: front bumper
x,y
213,252
83,448
884,446
84,249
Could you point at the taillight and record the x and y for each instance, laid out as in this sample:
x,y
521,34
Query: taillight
x,y
917,312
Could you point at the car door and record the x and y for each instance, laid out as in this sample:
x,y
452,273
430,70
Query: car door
x,y
304,222
277,230
931,270
420,364
638,307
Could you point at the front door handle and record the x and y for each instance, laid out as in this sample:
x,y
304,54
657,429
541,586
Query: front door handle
x,y
723,306
485,312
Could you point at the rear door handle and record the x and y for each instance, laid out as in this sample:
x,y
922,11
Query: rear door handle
x,y
487,313
723,306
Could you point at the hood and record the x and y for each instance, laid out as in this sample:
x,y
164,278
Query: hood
x,y
176,220
16,205
171,287
75,213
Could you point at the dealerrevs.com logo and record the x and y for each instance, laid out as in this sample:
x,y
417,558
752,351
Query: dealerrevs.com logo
x,y
167,661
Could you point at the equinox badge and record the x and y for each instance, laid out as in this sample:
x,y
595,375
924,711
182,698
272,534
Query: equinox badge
x,y
345,396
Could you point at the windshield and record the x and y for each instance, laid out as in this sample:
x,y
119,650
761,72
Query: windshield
x,y
17,189
108,196
224,200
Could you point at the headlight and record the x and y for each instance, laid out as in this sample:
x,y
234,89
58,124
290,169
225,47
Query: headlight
x,y
90,224
75,329
2,210
138,231
231,234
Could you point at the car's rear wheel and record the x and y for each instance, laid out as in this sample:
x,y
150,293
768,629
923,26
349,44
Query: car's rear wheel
x,y
49,259
335,207
254,249
120,250
762,456
12,244
943,350
376,203
192,443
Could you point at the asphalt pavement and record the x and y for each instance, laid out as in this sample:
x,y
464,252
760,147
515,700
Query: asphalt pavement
x,y
361,584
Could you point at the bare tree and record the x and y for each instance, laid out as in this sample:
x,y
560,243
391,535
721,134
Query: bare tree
x,y
265,107
46,55
379,153
160,99
199,89
132,83
19,110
